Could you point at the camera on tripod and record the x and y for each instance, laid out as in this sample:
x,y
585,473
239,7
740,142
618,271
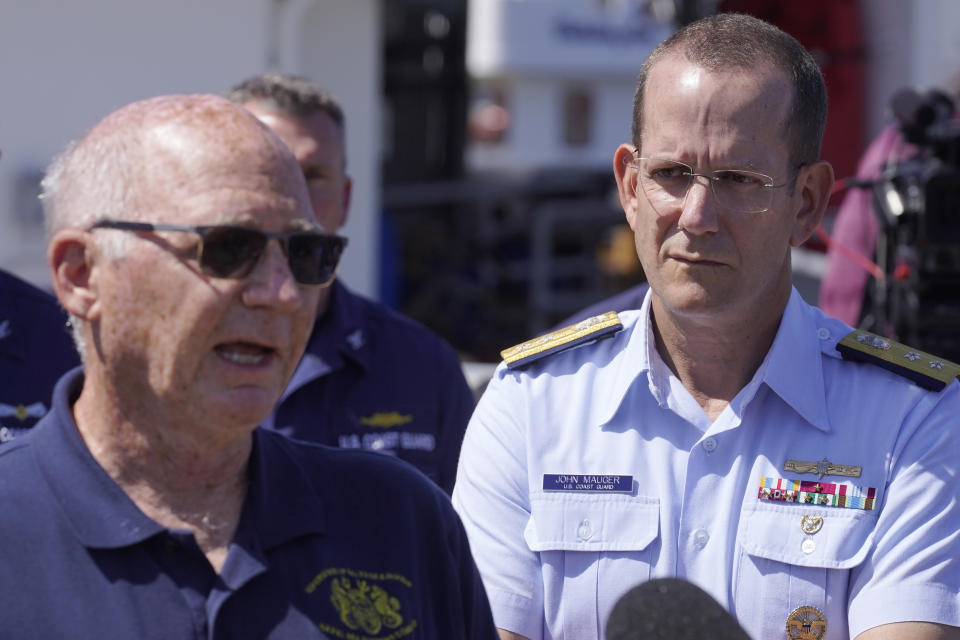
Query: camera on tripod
x,y
917,202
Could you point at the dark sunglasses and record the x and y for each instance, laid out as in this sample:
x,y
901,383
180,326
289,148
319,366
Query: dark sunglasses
x,y
232,252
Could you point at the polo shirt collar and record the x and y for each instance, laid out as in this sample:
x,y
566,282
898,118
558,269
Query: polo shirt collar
x,y
281,503
339,335
281,494
101,514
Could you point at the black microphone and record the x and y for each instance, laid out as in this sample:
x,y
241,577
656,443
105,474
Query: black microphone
x,y
671,609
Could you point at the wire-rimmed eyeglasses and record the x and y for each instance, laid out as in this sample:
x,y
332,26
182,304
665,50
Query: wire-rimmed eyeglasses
x,y
227,251
666,183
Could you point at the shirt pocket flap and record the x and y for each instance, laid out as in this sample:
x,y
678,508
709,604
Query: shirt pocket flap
x,y
824,537
591,522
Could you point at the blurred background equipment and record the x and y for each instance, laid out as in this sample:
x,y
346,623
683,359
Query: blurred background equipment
x,y
520,229
917,203
481,131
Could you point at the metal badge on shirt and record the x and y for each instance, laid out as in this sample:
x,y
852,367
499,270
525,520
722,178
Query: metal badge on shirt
x,y
588,482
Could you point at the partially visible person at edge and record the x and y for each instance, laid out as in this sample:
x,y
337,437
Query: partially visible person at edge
x,y
147,503
856,228
371,378
35,350
727,433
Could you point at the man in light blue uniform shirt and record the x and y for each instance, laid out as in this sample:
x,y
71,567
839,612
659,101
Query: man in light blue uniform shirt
x,y
803,474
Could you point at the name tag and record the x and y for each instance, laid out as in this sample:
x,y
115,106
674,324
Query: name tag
x,y
587,482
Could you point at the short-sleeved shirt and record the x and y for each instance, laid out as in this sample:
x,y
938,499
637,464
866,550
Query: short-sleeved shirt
x,y
593,469
35,350
330,543
373,379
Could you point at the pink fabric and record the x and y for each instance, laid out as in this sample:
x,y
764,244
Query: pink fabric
x,y
856,227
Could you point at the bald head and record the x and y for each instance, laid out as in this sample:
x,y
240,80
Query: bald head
x,y
158,145
181,159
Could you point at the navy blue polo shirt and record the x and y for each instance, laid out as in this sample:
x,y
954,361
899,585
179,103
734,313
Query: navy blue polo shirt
x,y
35,350
331,543
373,379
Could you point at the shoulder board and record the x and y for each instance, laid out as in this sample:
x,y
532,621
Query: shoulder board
x,y
592,328
928,371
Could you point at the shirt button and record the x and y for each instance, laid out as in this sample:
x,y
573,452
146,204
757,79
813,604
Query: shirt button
x,y
823,333
701,538
584,531
808,546
709,445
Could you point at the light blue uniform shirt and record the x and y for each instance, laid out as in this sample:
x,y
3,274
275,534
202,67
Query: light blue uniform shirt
x,y
555,562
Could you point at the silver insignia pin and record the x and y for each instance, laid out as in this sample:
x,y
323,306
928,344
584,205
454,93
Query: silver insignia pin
x,y
822,468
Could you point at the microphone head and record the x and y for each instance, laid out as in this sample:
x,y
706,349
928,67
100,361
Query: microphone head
x,y
671,609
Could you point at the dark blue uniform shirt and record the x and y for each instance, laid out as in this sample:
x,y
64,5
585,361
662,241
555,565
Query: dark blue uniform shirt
x,y
331,543
373,379
35,350
632,298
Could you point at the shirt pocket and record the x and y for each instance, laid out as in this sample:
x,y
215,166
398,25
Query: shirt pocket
x,y
792,556
592,548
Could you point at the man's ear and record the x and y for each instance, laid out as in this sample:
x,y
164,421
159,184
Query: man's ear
x,y
626,177
813,190
71,255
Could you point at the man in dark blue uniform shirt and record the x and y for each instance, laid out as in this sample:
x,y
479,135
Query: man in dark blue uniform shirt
x,y
147,503
371,378
631,298
35,350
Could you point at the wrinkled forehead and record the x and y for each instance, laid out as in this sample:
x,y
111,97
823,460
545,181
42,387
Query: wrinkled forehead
x,y
685,102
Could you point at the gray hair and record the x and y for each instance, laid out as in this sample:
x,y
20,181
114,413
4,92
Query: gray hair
x,y
90,180
289,95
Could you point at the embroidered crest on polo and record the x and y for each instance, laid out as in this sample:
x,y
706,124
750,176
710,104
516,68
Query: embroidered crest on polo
x,y
366,604
822,468
806,623
5,329
819,494
588,482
